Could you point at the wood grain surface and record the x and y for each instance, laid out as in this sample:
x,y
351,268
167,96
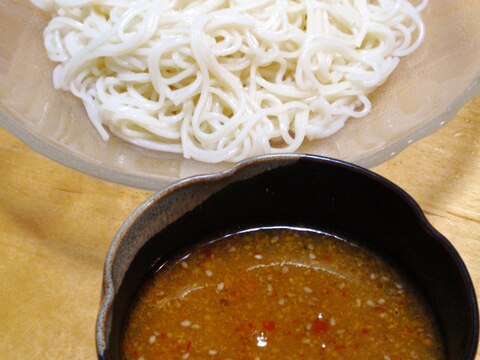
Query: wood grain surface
x,y
56,225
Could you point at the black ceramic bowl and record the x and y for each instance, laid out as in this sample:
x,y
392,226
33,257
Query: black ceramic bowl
x,y
291,190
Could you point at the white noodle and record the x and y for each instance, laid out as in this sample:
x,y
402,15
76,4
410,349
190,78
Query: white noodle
x,y
222,80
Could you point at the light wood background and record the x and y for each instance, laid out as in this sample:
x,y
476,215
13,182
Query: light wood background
x,y
56,225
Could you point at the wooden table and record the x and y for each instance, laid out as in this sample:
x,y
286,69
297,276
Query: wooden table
x,y
56,225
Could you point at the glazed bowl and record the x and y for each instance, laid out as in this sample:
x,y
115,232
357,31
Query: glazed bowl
x,y
427,90
298,191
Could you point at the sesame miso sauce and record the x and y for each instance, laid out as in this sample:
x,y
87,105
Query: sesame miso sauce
x,y
280,294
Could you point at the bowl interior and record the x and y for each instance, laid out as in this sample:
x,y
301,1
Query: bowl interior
x,y
426,90
309,193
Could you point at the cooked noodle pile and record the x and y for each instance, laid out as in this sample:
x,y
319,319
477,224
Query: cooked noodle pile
x,y
220,80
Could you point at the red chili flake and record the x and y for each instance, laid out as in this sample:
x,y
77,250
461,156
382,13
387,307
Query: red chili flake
x,y
340,347
269,325
319,326
208,253
365,331
250,325
162,335
327,258
326,291
188,345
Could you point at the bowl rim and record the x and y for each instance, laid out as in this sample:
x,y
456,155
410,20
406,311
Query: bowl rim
x,y
108,290
68,158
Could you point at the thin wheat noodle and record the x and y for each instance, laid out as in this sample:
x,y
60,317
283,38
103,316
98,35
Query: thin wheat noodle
x,y
223,80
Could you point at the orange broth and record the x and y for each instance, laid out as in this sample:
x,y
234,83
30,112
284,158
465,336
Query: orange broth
x,y
280,294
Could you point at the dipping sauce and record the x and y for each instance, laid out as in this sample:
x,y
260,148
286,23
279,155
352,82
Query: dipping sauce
x,y
280,294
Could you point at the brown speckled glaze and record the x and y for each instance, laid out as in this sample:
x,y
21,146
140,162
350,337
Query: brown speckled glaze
x,y
292,190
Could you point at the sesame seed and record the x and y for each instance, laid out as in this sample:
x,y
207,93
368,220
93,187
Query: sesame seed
x,y
209,273
258,256
307,290
310,247
269,288
185,323
232,249
281,301
358,303
184,265
381,301
308,326
185,356
220,286
285,269
212,352
312,256
383,315
274,239
399,286
373,276
333,322
195,326
341,332
341,285
306,341
262,340
257,358
141,358
152,339
386,357
370,303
